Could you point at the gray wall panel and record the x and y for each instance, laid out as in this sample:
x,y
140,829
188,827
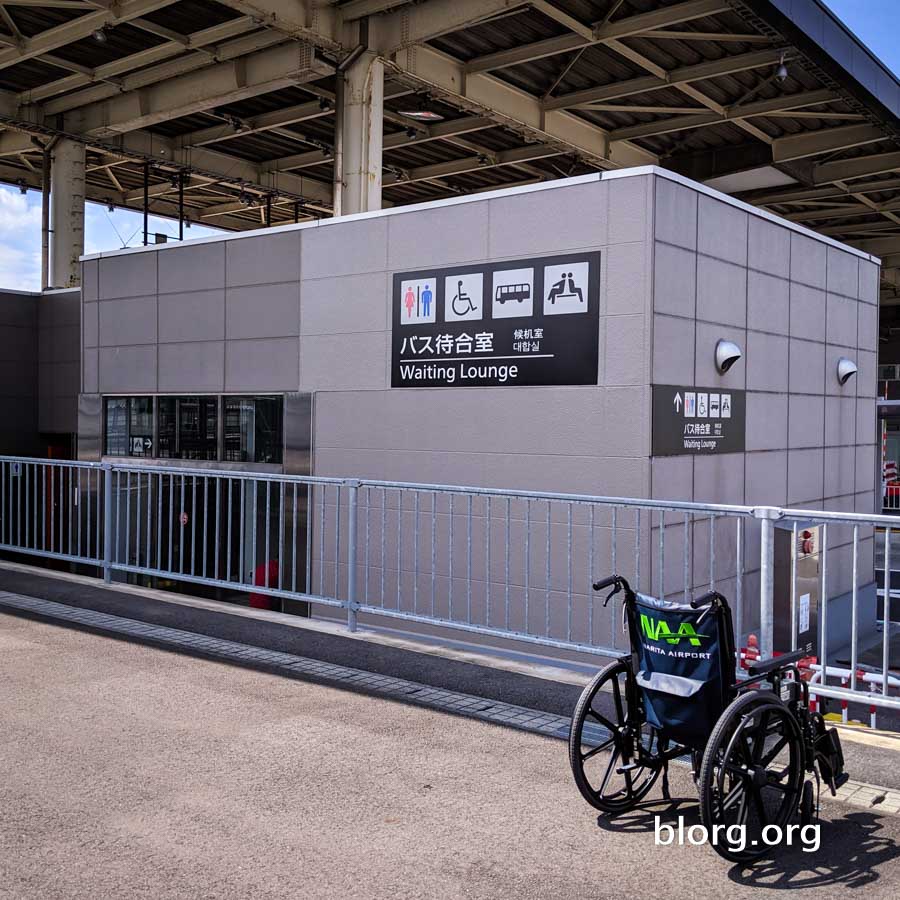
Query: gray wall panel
x,y
324,357
767,362
722,230
721,292
356,247
443,236
842,272
90,371
675,215
264,310
767,421
840,421
675,276
840,323
91,332
768,302
808,265
197,316
90,280
128,322
625,278
18,373
132,275
673,350
808,312
807,421
127,370
352,303
192,267
629,210
263,258
262,365
552,220
769,247
192,367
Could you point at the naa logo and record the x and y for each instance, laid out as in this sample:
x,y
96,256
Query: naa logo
x,y
659,630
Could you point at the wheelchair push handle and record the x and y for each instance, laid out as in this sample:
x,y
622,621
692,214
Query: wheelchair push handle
x,y
710,597
711,600
617,583
603,584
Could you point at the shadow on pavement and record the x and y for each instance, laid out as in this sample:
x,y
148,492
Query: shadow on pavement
x,y
851,848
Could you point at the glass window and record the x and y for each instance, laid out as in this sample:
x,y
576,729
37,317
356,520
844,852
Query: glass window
x,y
188,427
129,426
253,429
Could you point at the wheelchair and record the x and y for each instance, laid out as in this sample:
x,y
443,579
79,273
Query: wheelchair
x,y
754,745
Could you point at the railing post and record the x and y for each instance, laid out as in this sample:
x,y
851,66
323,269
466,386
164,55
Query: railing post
x,y
107,523
352,604
767,516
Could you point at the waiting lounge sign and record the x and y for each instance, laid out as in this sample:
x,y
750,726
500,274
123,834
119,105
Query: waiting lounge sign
x,y
521,322
698,420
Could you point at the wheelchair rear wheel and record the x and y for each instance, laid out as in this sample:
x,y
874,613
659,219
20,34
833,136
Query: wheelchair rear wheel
x,y
605,737
752,774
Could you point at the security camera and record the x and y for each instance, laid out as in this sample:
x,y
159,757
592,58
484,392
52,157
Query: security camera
x,y
846,369
727,354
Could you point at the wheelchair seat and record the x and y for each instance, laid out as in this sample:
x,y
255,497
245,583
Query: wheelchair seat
x,y
683,660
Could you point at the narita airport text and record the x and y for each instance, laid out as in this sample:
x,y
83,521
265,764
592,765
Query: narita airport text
x,y
463,371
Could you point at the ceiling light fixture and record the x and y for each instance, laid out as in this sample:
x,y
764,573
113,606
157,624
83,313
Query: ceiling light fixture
x,y
422,115
781,73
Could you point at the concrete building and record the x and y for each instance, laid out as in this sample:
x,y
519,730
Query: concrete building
x,y
381,159
312,317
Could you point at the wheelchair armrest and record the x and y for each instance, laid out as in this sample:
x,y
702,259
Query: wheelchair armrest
x,y
775,663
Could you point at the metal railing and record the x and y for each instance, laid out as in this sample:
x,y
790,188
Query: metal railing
x,y
505,564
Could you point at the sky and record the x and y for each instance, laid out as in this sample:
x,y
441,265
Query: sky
x,y
875,22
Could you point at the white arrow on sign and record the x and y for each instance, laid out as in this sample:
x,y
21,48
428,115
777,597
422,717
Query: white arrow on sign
x,y
678,403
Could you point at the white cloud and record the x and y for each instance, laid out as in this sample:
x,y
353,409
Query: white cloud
x,y
20,234
20,240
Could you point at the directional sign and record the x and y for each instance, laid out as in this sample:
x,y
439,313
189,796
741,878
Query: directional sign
x,y
697,420
520,322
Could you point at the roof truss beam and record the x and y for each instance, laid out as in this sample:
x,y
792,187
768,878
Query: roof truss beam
x,y
825,140
602,32
513,108
226,82
684,75
471,164
440,131
860,167
700,119
207,37
54,38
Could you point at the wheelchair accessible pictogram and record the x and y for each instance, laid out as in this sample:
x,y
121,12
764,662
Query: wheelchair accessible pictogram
x,y
463,297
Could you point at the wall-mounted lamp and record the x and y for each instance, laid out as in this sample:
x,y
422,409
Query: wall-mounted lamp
x,y
846,369
727,354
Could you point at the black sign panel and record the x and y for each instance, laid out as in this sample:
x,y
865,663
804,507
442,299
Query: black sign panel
x,y
698,420
520,322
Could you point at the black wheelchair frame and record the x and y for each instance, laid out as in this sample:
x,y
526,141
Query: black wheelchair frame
x,y
755,766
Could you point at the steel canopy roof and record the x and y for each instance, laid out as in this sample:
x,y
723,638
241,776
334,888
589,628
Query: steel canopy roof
x,y
239,96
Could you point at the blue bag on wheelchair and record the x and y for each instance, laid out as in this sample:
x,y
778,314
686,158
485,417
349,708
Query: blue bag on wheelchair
x,y
684,667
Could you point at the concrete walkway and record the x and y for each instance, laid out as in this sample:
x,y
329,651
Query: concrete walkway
x,y
133,772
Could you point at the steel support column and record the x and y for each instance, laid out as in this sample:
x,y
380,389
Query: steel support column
x,y
66,214
362,121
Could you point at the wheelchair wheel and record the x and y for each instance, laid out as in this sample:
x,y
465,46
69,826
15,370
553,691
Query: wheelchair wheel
x,y
752,774
603,739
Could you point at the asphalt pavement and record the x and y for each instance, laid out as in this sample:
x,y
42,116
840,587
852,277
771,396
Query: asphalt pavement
x,y
133,772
